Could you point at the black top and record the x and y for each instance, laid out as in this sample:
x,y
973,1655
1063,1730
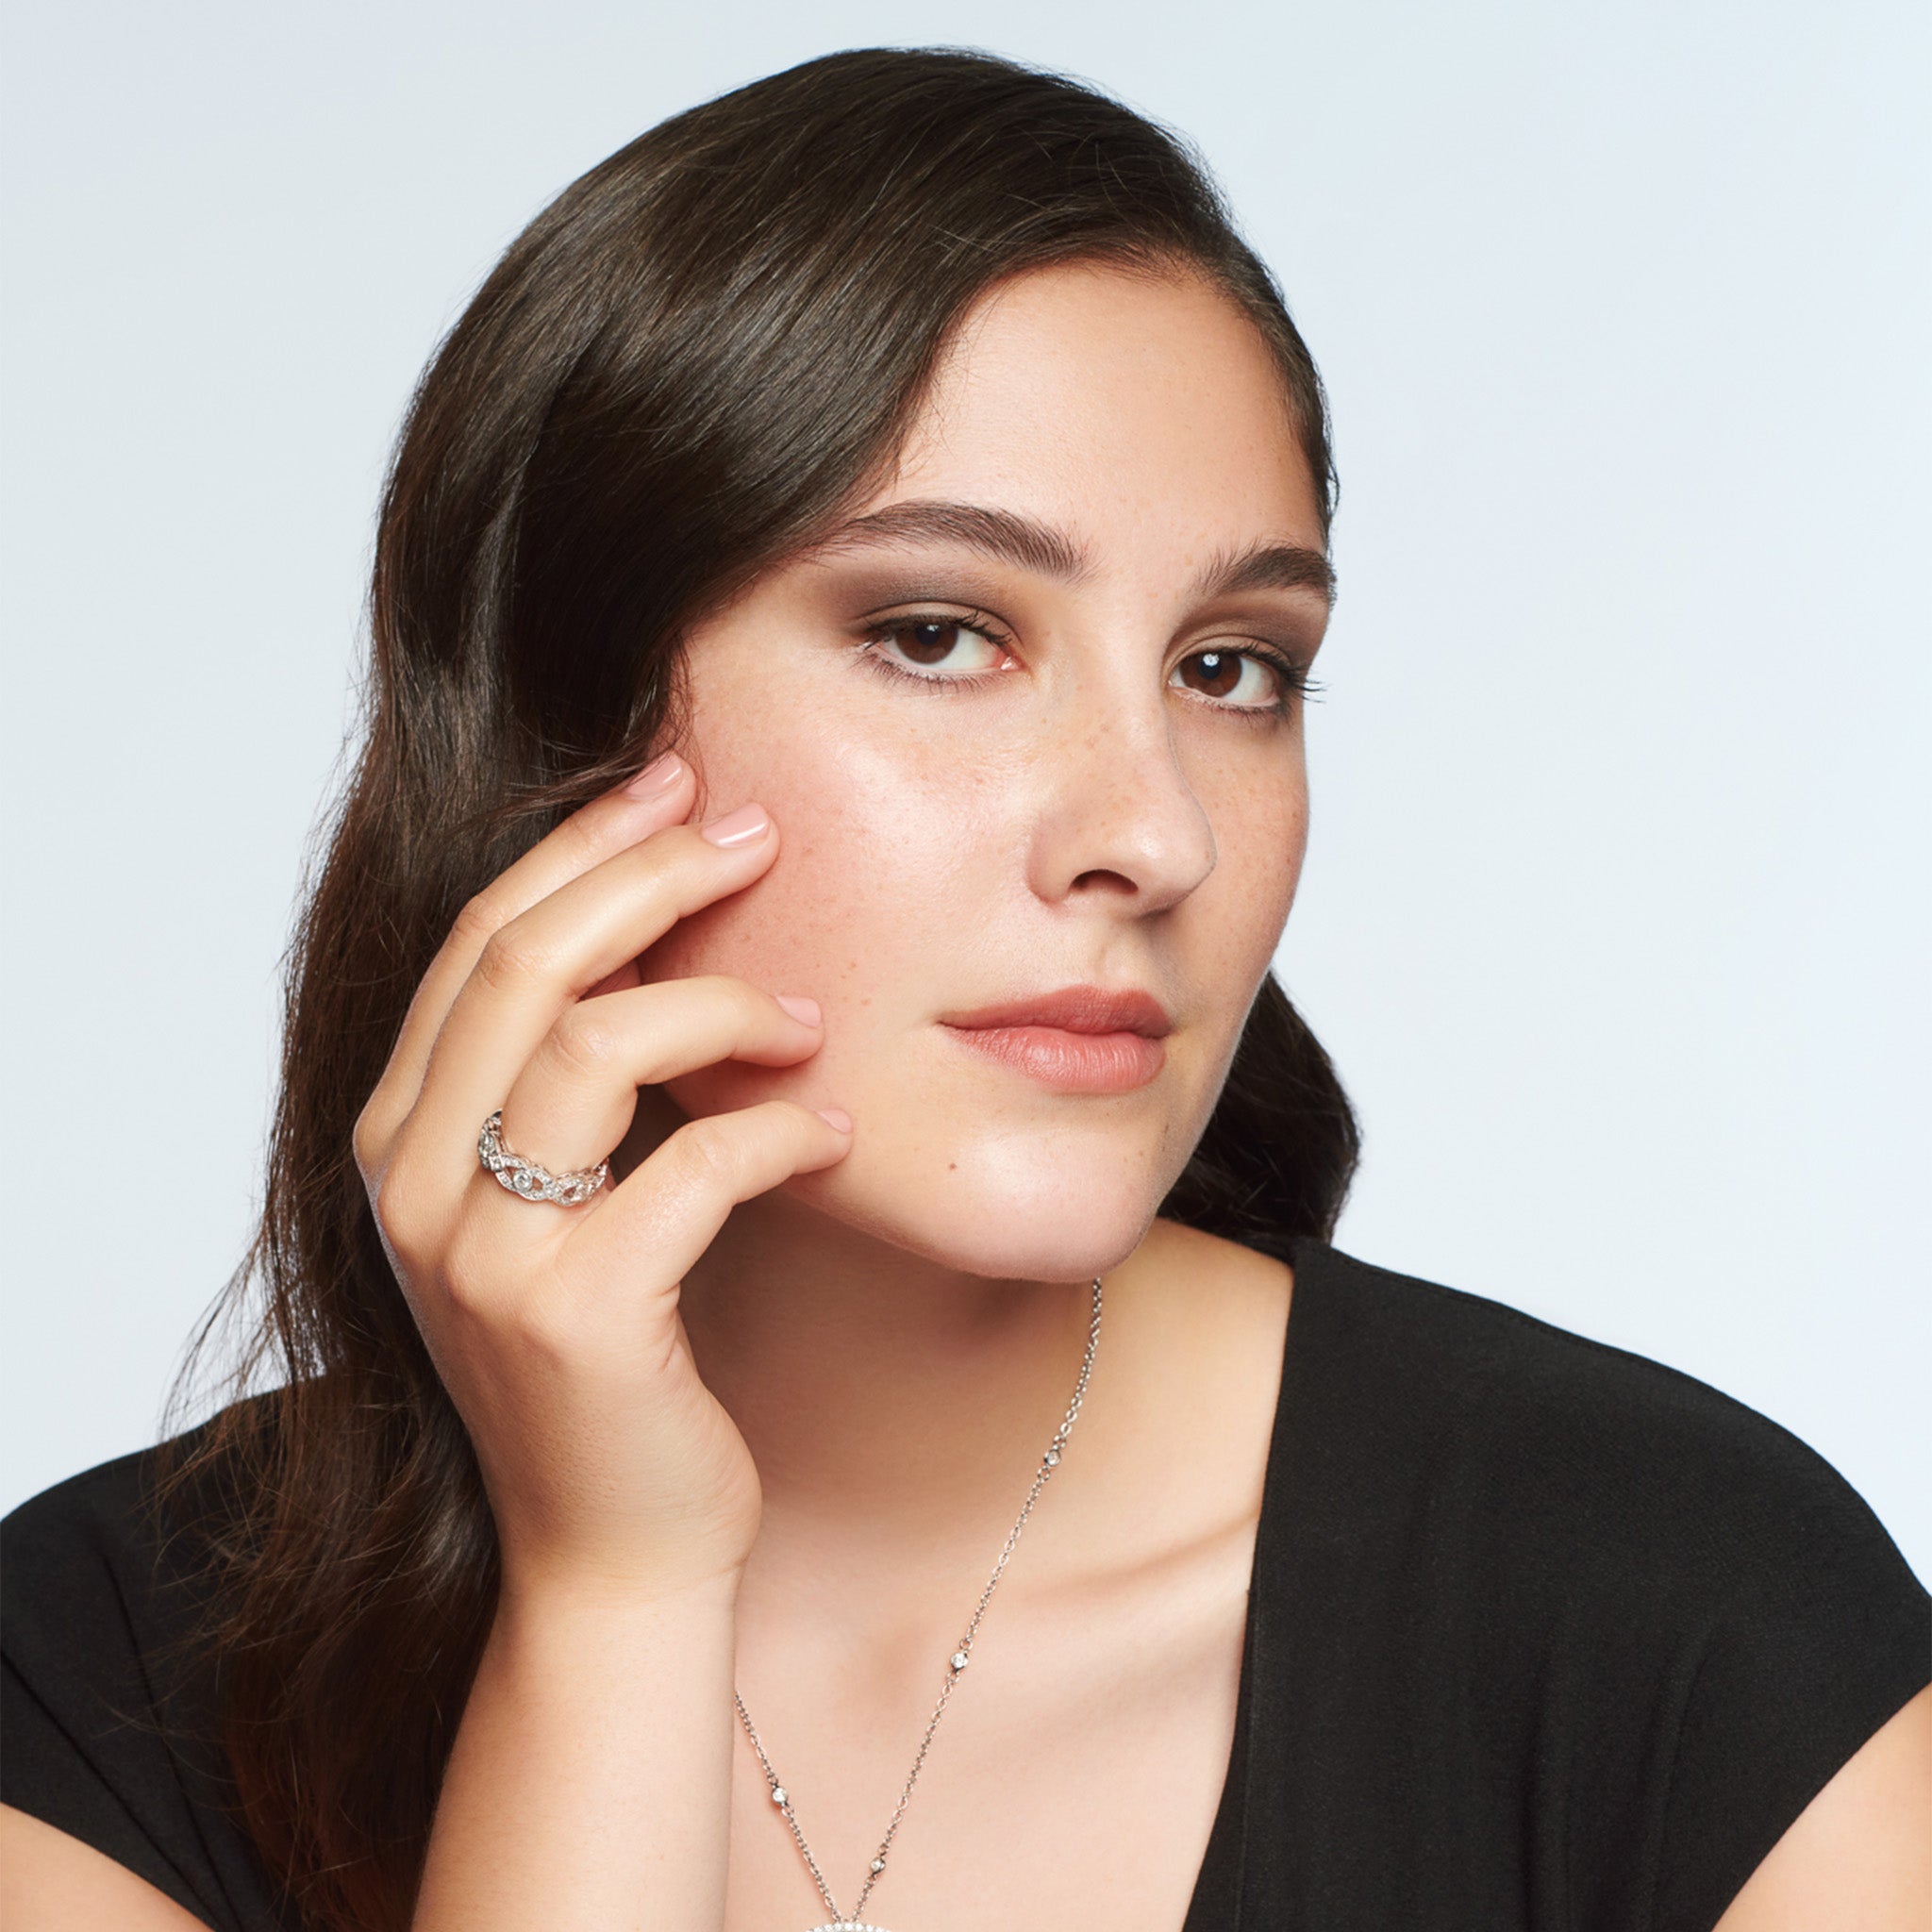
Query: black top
x,y
1542,1635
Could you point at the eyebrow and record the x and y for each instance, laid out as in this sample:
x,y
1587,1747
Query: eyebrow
x,y
1032,545
1269,567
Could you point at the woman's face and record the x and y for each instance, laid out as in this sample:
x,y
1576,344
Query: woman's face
x,y
1027,723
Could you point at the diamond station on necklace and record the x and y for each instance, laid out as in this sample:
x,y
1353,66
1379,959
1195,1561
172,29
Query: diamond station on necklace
x,y
781,1798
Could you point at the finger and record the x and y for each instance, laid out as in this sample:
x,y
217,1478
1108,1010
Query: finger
x,y
669,1208
660,796
574,1100
544,958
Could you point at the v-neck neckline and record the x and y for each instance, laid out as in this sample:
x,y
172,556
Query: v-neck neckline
x,y
1215,1903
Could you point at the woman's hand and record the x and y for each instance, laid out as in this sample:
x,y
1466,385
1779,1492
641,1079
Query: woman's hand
x,y
609,1467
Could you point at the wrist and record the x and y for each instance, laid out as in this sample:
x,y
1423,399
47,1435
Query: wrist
x,y
531,1594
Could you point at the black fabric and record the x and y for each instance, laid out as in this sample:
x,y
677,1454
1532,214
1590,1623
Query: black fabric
x,y
108,1711
1542,1636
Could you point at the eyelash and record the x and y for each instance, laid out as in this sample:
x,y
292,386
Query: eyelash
x,y
1293,678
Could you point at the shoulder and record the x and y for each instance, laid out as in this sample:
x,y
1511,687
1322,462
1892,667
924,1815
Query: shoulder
x,y
90,1522
1577,1611
118,1550
82,1573
1577,1452
112,1713
102,1589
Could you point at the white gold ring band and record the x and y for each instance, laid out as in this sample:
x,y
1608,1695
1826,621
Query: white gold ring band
x,y
530,1181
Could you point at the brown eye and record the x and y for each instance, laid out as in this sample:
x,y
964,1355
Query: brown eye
x,y
929,643
935,650
1237,674
1213,674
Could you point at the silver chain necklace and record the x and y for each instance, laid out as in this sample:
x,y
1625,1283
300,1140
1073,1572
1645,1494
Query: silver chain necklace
x,y
956,1666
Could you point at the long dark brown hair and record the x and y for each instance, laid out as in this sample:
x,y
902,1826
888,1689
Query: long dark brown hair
x,y
685,367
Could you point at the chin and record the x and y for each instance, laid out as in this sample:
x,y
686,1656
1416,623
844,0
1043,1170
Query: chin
x,y
1023,1207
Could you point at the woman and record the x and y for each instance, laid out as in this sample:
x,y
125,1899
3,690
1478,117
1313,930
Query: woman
x,y
813,1381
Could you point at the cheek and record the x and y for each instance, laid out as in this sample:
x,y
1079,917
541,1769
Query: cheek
x,y
861,908
1262,831
808,925
1277,860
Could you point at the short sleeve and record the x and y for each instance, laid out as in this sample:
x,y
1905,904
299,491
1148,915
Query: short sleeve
x,y
107,1724
1551,1637
1822,1636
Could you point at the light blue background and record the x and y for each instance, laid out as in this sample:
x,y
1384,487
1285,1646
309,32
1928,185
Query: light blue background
x,y
1615,919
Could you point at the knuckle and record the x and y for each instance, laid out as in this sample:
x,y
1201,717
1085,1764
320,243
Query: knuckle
x,y
367,1141
709,1154
581,840
509,963
586,1042
480,919
394,1204
466,1274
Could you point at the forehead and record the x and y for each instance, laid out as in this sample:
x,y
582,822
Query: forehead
x,y
1113,403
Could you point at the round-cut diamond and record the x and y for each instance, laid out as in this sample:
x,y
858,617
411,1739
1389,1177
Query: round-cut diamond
x,y
959,1660
779,1794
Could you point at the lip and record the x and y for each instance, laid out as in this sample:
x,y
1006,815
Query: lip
x,y
1076,1039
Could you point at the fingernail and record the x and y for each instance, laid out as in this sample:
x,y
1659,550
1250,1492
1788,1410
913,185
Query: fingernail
x,y
660,774
744,827
834,1116
799,1007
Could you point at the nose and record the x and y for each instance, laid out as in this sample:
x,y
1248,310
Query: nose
x,y
1116,815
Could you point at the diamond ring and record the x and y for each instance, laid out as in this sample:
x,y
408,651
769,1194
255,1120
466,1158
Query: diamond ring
x,y
530,1181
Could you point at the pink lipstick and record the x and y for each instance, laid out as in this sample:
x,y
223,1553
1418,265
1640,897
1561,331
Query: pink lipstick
x,y
1078,1040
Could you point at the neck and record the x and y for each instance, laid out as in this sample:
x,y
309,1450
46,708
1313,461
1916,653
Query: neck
x,y
878,1390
